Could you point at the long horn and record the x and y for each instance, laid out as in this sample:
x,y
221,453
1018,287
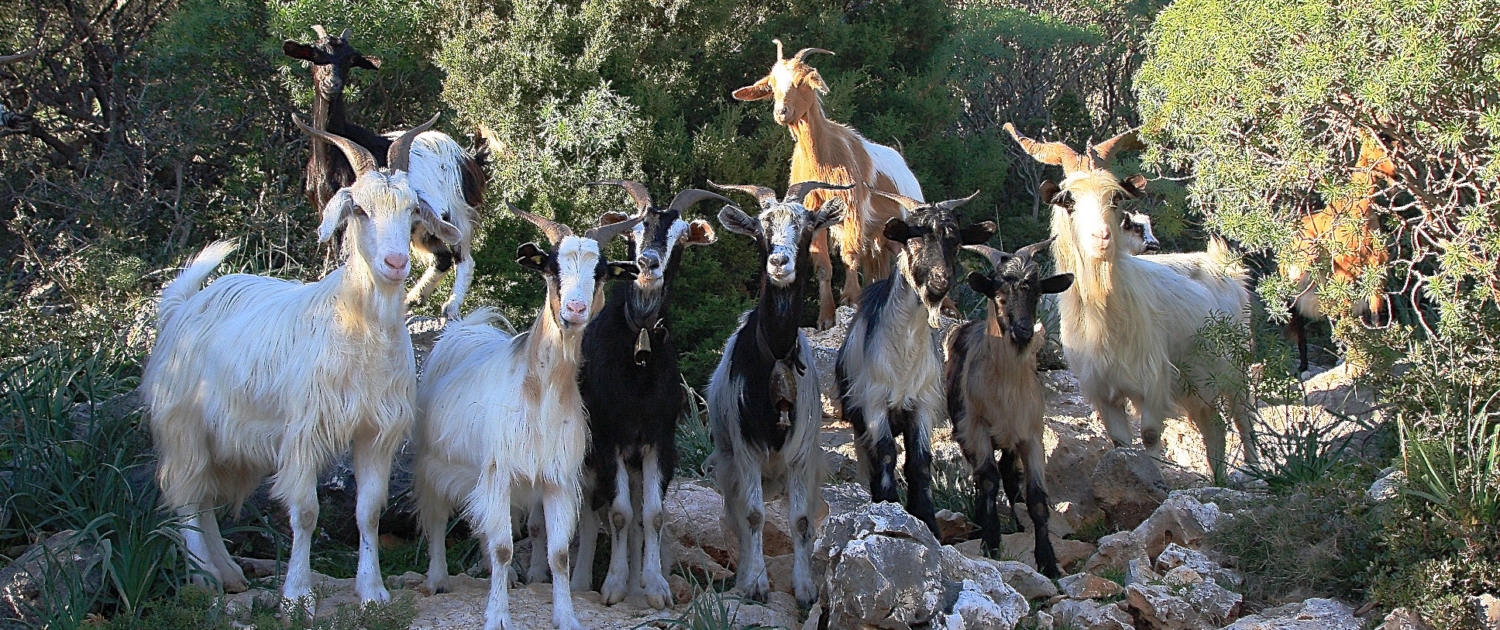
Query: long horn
x,y
1103,154
995,256
637,191
953,204
345,35
318,30
690,196
905,201
798,191
1035,248
761,193
398,157
359,157
605,233
778,50
1049,152
23,56
801,54
554,231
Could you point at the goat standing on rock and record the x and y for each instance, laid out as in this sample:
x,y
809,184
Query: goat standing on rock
x,y
500,419
254,375
995,398
632,390
764,405
443,175
889,370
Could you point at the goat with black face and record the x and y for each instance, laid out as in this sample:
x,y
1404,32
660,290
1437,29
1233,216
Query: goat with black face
x,y
763,401
632,390
889,371
995,398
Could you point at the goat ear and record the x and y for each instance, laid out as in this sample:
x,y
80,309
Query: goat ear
x,y
335,213
1053,194
1135,185
531,256
1055,284
829,213
897,230
435,224
701,233
977,234
735,220
298,51
759,90
623,270
815,80
611,218
981,284
367,62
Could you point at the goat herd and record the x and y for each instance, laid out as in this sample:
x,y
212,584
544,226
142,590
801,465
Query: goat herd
x,y
252,375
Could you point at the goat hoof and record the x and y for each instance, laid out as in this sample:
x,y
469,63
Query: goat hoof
x,y
567,623
379,595
658,593
451,312
232,586
614,590
758,593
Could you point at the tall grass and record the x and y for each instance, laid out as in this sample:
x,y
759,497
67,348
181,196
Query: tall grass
x,y
695,441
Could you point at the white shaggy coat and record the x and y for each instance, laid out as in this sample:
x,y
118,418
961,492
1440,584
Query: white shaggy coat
x,y
436,179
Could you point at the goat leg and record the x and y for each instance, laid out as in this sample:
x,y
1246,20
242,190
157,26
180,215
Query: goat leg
x,y
986,501
1036,503
918,471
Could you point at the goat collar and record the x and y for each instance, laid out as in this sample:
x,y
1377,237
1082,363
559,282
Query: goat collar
x,y
785,371
645,327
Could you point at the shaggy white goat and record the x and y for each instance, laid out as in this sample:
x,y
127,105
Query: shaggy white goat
x,y
1130,325
501,422
254,375
452,182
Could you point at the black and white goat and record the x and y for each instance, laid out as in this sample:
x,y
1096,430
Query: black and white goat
x,y
500,421
764,405
890,370
632,390
995,398
445,176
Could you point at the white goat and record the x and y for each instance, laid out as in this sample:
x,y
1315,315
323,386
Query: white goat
x,y
1139,239
255,375
1130,326
452,182
501,421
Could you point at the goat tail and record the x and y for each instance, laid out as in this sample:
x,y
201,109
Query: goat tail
x,y
191,280
481,316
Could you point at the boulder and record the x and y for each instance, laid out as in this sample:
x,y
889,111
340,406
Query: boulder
x,y
694,518
1116,551
882,567
953,526
1203,606
1486,609
1084,614
62,570
1388,486
976,609
1404,619
1022,546
1139,572
1128,486
982,574
1176,556
1042,620
1088,586
1182,520
1026,580
1312,614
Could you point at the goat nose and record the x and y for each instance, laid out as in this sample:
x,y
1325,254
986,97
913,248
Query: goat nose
x,y
397,261
648,261
780,260
576,307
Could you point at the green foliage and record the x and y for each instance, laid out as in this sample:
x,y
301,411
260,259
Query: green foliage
x,y
695,441
710,611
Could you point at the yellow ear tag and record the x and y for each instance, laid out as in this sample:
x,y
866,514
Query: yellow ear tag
x,y
538,260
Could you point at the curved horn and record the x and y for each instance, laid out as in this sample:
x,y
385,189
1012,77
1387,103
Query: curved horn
x,y
555,231
605,233
762,194
1103,154
318,30
398,157
801,54
798,191
359,157
905,201
1049,152
991,254
690,196
952,204
778,50
637,191
1035,248
345,35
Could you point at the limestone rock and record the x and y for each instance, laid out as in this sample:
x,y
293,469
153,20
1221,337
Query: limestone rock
x,y
1128,486
1084,614
1042,620
1182,576
1175,556
1026,580
1204,606
976,610
1182,520
1387,487
1139,572
953,526
883,568
982,574
1486,609
1088,586
1404,619
46,572
1116,551
1022,546
694,518
1312,614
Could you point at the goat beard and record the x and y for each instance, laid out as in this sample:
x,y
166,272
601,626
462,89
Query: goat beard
x,y
934,316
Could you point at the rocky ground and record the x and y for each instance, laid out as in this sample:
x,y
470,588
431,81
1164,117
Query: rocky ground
x,y
880,568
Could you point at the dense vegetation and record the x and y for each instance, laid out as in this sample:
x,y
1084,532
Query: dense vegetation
x,y
142,130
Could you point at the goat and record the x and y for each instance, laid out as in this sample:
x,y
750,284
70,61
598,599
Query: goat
x,y
996,400
889,370
764,409
831,152
1355,248
500,419
1129,326
1139,239
632,391
445,176
253,375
